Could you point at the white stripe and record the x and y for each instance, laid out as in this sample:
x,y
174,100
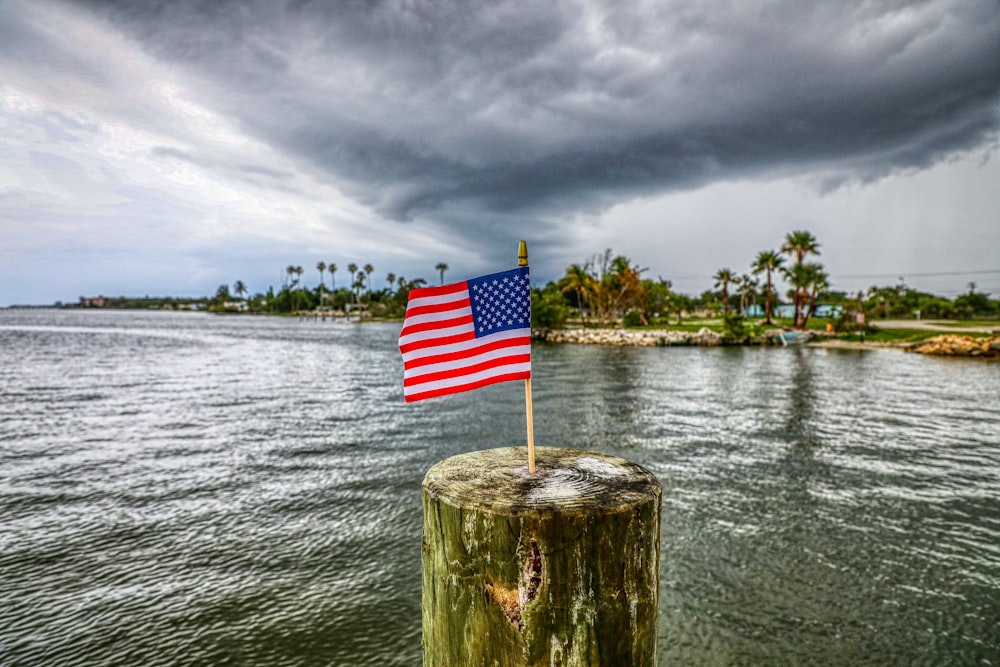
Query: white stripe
x,y
467,379
416,302
463,345
437,317
434,333
468,361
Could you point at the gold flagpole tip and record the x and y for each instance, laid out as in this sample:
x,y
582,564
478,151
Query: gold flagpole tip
x,y
522,254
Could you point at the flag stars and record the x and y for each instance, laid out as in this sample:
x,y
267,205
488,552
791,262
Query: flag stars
x,y
501,302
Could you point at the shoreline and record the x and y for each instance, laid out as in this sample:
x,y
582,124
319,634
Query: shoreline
x,y
944,345
704,337
838,344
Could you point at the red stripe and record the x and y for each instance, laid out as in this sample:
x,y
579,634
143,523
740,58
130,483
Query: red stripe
x,y
467,370
437,308
463,354
434,342
444,391
436,324
421,292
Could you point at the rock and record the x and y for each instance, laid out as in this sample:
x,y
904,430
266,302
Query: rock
x,y
707,337
631,337
958,346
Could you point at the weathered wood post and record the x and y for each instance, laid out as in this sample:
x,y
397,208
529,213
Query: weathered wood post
x,y
560,567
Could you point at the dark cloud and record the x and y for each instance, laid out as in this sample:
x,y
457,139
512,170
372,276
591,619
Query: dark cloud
x,y
534,108
514,117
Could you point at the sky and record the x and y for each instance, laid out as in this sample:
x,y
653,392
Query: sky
x,y
167,147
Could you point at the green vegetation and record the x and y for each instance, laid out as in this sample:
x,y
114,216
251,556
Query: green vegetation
x,y
610,290
768,262
880,335
358,298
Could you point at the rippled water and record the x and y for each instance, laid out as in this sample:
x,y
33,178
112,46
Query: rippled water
x,y
181,489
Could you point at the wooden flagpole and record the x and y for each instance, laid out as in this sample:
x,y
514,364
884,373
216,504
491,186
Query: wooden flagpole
x,y
522,260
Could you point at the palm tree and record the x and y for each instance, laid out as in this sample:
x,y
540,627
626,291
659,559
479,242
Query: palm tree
x,y
442,267
768,261
723,278
321,267
369,269
359,283
816,282
620,288
798,244
332,268
580,282
240,288
748,292
352,268
298,279
391,279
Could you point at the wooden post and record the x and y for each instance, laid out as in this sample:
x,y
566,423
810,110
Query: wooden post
x,y
556,568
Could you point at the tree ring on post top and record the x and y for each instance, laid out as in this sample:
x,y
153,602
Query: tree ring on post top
x,y
565,481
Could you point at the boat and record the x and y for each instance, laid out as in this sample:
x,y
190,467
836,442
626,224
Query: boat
x,y
793,337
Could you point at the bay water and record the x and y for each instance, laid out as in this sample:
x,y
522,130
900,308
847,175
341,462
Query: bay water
x,y
188,489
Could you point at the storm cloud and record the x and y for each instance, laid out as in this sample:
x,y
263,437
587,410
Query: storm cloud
x,y
512,107
504,118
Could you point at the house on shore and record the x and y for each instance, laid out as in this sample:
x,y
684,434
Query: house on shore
x,y
787,311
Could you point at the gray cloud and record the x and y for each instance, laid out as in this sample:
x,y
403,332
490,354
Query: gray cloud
x,y
510,108
484,122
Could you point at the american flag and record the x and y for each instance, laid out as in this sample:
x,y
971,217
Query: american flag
x,y
467,335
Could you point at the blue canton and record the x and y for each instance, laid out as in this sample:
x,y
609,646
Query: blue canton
x,y
501,301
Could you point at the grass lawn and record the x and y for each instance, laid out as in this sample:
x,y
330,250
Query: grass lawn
x,y
904,335
891,336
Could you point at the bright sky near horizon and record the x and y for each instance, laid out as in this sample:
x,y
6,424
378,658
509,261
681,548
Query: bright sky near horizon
x,y
167,147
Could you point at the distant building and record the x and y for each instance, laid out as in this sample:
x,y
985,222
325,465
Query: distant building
x,y
92,302
787,311
826,310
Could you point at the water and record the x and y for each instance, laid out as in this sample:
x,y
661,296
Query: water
x,y
182,489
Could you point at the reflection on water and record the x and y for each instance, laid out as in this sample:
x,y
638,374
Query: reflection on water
x,y
186,489
799,419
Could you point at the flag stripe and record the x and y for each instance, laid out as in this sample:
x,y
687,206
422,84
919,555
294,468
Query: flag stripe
x,y
436,324
463,343
439,355
455,388
415,312
446,371
422,292
429,347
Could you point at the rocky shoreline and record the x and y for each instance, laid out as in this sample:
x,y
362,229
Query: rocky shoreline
x,y
704,337
944,345
958,346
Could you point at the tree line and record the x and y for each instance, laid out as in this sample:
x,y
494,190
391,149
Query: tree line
x,y
357,293
609,288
